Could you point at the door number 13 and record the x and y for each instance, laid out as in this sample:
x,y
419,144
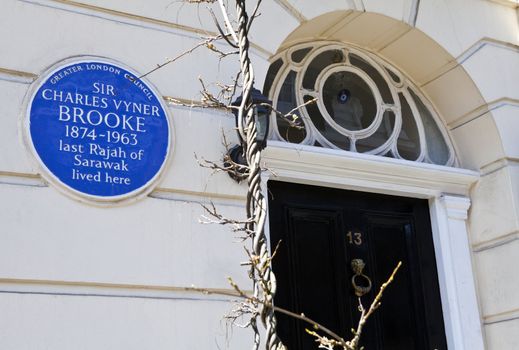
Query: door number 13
x,y
354,238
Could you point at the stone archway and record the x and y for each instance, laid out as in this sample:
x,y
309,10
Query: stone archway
x,y
471,84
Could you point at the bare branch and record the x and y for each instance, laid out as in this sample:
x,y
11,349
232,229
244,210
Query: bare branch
x,y
254,15
313,323
214,217
227,22
374,305
176,58
260,303
225,36
327,343
293,119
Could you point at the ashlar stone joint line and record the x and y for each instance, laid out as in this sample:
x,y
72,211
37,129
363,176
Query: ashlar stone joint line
x,y
501,317
135,20
471,51
482,43
33,180
498,164
113,290
413,13
291,10
10,75
482,110
496,242
17,76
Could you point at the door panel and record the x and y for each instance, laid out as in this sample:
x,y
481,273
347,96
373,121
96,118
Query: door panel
x,y
310,234
321,230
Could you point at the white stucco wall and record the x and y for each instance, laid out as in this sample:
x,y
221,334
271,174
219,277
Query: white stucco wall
x,y
73,275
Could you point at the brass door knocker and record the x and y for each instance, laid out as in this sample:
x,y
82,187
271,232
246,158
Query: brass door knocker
x,y
357,265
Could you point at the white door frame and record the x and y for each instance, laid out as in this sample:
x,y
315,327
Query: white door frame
x,y
447,190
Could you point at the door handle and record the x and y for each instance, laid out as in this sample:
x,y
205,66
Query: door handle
x,y
357,265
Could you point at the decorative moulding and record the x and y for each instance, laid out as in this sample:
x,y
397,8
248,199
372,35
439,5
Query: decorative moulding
x,y
349,170
446,188
457,207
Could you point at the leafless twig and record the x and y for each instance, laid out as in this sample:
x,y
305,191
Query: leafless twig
x,y
333,340
260,303
353,344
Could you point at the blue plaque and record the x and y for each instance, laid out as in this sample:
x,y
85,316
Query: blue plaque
x,y
98,129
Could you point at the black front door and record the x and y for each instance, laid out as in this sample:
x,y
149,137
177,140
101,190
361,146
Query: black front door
x,y
321,231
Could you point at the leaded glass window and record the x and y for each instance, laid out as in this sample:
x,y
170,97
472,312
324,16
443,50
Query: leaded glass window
x,y
364,105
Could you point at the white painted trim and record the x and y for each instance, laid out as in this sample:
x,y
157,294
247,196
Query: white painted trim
x,y
457,207
463,325
447,190
364,172
398,91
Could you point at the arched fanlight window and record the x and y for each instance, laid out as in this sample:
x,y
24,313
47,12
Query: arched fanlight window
x,y
363,105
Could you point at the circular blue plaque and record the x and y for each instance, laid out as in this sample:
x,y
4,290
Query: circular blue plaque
x,y
98,129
